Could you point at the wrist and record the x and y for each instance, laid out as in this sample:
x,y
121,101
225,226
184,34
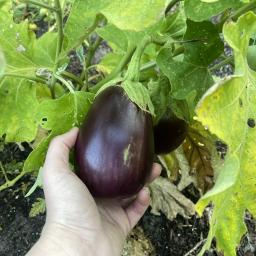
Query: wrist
x,y
58,241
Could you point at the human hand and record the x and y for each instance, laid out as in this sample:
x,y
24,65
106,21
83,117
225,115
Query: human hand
x,y
76,224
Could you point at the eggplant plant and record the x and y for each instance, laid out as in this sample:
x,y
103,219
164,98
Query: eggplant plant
x,y
164,57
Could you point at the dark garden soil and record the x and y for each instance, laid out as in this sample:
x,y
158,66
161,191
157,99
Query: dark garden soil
x,y
18,232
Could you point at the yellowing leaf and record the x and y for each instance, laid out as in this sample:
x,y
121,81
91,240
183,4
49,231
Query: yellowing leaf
x,y
135,15
2,63
23,53
18,107
38,207
137,244
226,109
199,149
166,198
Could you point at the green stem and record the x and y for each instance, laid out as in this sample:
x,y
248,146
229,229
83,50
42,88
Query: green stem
x,y
40,4
147,66
89,30
59,45
244,9
35,79
178,51
4,172
73,77
228,60
133,71
68,84
122,64
170,5
91,51
238,13
10,183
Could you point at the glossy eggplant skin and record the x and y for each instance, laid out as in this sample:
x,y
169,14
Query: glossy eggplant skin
x,y
169,134
114,150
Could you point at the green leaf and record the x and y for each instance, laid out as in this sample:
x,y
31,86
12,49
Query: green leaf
x,y
18,107
134,15
2,63
191,74
198,10
114,35
23,53
58,116
139,94
226,110
160,95
109,62
80,19
251,57
175,24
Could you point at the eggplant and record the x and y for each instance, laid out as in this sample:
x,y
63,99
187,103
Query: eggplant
x,y
114,150
169,134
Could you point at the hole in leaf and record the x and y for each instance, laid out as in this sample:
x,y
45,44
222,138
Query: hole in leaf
x,y
240,102
44,119
251,122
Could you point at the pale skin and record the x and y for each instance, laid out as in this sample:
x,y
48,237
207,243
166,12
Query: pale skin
x,y
76,223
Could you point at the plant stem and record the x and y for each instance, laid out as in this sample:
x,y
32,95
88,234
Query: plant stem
x,y
170,5
88,60
147,66
238,13
133,71
40,4
228,60
244,9
178,51
125,60
89,30
10,183
4,172
73,77
35,79
68,84
59,45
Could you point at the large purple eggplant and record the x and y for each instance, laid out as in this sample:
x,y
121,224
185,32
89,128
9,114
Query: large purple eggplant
x,y
115,147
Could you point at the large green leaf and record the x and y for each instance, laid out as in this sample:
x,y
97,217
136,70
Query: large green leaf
x,y
133,14
2,63
191,74
81,17
229,110
136,16
18,105
23,53
57,116
199,10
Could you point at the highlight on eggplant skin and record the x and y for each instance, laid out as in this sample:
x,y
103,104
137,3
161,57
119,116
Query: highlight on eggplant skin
x,y
169,134
114,150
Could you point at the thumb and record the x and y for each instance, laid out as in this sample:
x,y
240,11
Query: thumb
x,y
57,156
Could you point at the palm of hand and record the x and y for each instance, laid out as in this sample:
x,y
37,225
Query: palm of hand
x,y
71,207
